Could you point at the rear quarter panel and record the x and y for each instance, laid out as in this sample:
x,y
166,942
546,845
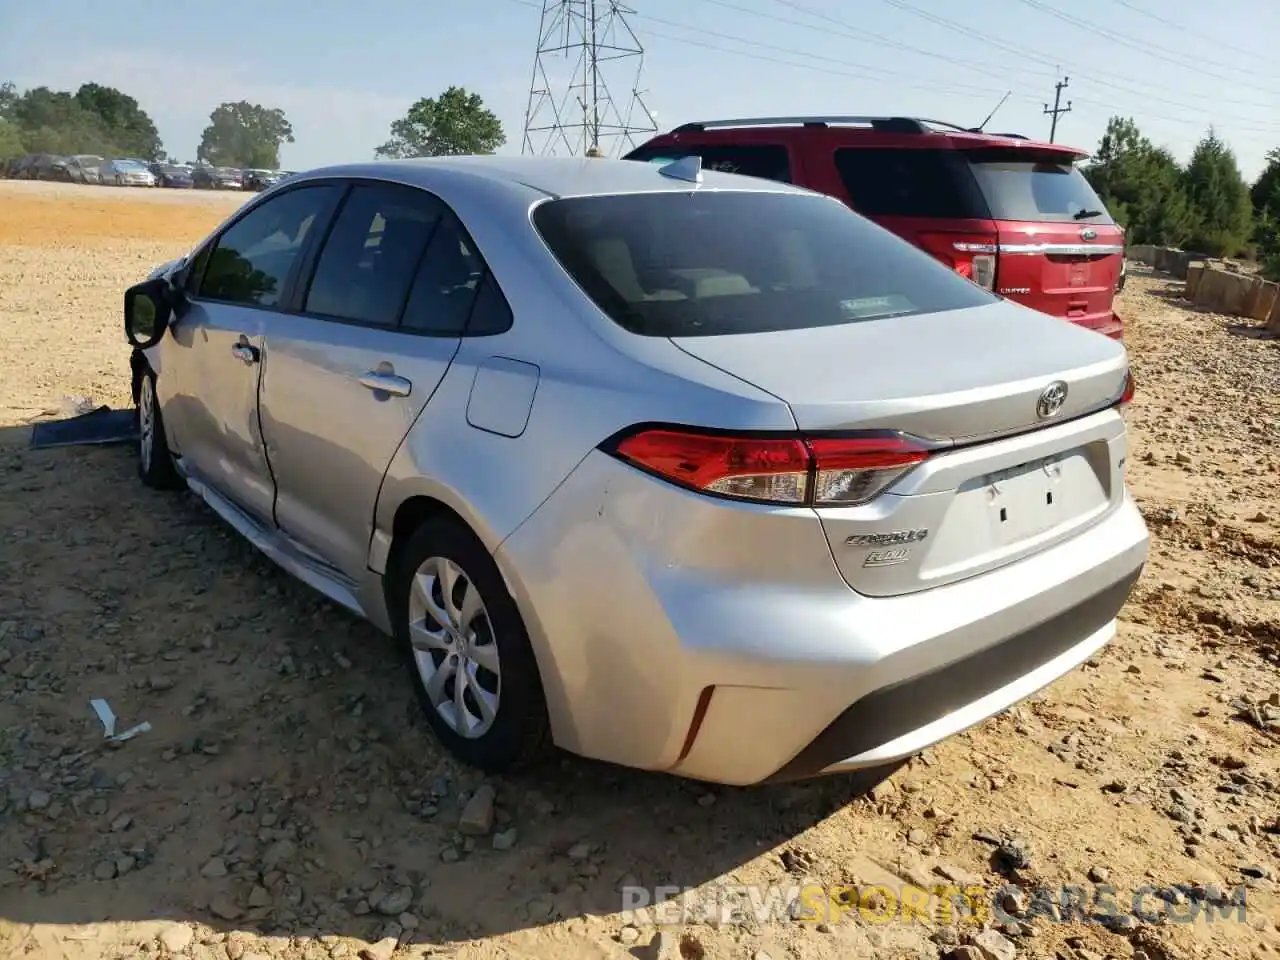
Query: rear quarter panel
x,y
593,379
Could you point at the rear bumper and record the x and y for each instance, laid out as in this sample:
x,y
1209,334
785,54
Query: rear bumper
x,y
899,720
718,641
1107,323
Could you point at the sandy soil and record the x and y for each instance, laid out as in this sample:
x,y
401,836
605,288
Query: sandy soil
x,y
288,802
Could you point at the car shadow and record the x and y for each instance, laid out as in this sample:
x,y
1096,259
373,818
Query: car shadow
x,y
287,784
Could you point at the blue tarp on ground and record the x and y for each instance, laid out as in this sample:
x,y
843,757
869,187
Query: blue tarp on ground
x,y
100,426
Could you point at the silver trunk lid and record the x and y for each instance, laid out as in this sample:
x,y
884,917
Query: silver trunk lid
x,y
959,375
1008,483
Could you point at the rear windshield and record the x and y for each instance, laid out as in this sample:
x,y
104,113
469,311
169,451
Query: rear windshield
x,y
719,262
892,182
1017,188
998,184
768,161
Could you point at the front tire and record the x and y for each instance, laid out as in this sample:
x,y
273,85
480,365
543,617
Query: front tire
x,y
467,649
155,463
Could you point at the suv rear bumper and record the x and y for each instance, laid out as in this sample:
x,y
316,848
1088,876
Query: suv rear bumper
x,y
1108,323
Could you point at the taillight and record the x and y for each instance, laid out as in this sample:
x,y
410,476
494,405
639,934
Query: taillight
x,y
972,255
1126,397
783,469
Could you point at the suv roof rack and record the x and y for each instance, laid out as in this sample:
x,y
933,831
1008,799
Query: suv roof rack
x,y
881,124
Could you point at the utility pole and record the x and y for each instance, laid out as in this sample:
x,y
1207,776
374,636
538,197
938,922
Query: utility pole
x,y
1057,110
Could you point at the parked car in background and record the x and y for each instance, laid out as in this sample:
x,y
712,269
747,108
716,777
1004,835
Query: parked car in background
x,y
260,180
43,166
85,168
217,178
1011,214
127,173
497,393
172,175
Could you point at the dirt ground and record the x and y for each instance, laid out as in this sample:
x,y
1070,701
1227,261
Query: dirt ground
x,y
287,801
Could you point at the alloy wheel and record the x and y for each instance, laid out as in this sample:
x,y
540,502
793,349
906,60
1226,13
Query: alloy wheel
x,y
453,647
146,422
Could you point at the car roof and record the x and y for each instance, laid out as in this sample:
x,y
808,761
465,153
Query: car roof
x,y
557,177
871,131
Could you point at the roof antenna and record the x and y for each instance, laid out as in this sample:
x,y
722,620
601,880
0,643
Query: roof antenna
x,y
979,128
686,168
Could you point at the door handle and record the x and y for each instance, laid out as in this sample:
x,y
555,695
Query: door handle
x,y
386,383
245,352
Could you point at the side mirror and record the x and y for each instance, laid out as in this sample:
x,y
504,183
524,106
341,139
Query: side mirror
x,y
146,313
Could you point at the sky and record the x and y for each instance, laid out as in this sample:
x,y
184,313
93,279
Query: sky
x,y
343,71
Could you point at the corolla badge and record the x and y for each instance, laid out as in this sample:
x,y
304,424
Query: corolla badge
x,y
1088,234
893,538
1051,400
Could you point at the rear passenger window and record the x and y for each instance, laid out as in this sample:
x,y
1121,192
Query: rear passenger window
x,y
372,254
909,183
490,314
446,285
769,162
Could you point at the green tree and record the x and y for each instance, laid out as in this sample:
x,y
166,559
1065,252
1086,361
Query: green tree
x,y
8,97
1219,198
1141,184
1265,193
127,124
1266,216
245,135
456,123
10,140
56,121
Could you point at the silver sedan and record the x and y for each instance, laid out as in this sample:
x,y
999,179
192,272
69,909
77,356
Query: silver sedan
x,y
682,470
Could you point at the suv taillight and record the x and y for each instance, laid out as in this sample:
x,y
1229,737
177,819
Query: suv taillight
x,y
787,469
972,255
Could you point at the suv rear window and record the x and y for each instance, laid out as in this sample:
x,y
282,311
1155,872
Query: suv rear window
x,y
769,162
718,263
1045,188
888,182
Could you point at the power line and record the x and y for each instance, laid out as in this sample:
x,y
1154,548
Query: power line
x,y
1057,111
876,75
1090,75
804,65
1152,50
880,76
1182,29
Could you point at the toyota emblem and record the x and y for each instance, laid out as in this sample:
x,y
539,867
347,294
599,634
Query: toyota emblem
x,y
1088,234
1051,400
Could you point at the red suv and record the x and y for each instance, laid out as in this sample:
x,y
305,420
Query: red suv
x,y
1011,214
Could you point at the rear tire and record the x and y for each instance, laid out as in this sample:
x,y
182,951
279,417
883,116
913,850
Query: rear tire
x,y
155,463
498,721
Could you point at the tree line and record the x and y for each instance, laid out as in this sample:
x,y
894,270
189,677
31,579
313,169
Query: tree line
x,y
102,120
1206,206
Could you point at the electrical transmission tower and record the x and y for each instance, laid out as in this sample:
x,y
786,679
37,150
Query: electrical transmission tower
x,y
586,51
1057,110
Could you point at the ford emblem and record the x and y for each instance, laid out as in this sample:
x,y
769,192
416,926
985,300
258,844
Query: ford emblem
x,y
1088,234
